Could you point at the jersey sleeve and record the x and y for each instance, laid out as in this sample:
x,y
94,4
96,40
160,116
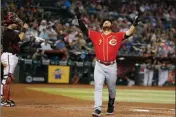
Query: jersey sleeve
x,y
92,34
120,35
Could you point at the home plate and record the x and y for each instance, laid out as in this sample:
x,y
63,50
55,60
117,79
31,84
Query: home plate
x,y
140,110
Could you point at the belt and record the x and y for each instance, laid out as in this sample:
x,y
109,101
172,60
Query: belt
x,y
12,54
107,63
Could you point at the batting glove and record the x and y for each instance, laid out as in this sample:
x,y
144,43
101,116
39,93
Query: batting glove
x,y
136,19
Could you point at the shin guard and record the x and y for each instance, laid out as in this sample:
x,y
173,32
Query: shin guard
x,y
6,92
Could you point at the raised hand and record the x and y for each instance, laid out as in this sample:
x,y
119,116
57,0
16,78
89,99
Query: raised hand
x,y
136,19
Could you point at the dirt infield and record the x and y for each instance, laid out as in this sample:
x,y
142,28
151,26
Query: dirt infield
x,y
37,104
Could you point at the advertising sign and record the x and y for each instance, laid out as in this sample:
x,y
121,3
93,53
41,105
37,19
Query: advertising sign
x,y
58,74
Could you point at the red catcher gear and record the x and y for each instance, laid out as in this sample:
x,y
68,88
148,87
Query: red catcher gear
x,y
6,86
12,18
6,92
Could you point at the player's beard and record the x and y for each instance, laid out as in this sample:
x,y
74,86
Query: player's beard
x,y
107,28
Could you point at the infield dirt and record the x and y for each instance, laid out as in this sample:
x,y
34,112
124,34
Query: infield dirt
x,y
38,104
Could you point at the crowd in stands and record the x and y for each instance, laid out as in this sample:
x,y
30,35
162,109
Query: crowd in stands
x,y
155,34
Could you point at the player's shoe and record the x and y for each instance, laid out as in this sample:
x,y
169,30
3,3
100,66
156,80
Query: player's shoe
x,y
12,103
7,103
110,109
96,113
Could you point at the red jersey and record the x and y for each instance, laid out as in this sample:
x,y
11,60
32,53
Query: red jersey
x,y
106,46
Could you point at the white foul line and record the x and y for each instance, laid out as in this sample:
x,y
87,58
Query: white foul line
x,y
140,110
154,108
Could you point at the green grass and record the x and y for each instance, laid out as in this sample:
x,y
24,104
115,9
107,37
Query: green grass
x,y
123,95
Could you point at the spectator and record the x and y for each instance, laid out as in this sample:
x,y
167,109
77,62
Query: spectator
x,y
43,25
38,55
67,4
52,34
34,31
80,44
45,45
75,21
157,26
44,34
27,34
72,36
60,44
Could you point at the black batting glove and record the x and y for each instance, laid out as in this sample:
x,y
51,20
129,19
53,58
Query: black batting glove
x,y
78,14
136,20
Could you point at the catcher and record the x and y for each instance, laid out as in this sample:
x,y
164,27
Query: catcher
x,y
9,56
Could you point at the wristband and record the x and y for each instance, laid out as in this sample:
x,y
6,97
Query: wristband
x,y
135,23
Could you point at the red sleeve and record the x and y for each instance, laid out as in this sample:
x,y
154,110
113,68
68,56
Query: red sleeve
x,y
120,35
93,34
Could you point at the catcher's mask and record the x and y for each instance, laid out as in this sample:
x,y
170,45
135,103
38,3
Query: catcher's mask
x,y
12,18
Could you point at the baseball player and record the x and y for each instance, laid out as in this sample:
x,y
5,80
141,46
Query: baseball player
x,y
148,73
163,73
106,45
9,57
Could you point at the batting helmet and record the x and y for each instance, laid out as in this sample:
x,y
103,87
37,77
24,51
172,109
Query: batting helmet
x,y
12,18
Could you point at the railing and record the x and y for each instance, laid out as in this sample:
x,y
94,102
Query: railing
x,y
45,71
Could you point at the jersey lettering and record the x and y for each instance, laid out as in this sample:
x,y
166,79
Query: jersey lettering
x,y
100,41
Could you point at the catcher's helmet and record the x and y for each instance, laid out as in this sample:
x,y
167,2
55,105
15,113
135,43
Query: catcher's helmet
x,y
12,18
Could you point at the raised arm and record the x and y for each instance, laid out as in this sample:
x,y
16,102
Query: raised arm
x,y
81,24
133,27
